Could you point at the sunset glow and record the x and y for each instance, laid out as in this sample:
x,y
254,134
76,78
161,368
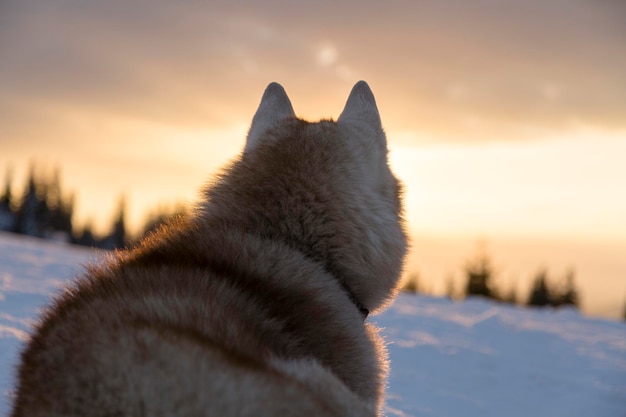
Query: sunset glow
x,y
506,120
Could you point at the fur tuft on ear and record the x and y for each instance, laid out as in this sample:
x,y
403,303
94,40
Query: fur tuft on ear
x,y
361,107
275,106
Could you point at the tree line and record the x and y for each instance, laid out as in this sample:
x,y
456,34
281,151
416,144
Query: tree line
x,y
45,210
480,281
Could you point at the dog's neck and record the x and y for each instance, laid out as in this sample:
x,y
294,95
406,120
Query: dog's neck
x,y
364,311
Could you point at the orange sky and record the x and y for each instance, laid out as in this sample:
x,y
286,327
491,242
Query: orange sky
x,y
504,117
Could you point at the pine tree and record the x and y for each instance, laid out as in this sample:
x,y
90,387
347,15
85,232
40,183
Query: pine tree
x,y
451,287
479,272
42,212
569,296
540,294
7,216
86,237
67,209
29,211
411,284
117,238
60,210
6,199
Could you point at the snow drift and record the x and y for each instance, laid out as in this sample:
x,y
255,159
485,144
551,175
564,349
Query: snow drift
x,y
471,358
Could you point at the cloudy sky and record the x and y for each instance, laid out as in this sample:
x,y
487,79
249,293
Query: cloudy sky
x,y
463,69
504,117
143,97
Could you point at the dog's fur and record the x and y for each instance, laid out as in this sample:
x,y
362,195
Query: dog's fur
x,y
253,306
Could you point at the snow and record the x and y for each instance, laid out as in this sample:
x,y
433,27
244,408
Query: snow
x,y
476,358
470,358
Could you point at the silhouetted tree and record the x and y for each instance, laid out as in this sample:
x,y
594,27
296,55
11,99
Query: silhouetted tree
x,y
479,272
451,291
540,294
411,284
43,211
5,199
61,209
569,295
117,238
62,215
29,211
7,216
55,202
86,237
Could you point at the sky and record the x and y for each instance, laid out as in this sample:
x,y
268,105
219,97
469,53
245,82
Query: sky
x,y
504,117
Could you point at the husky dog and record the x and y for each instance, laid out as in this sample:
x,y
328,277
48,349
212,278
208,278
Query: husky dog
x,y
255,305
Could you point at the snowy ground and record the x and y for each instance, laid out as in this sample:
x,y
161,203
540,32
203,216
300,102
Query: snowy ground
x,y
472,358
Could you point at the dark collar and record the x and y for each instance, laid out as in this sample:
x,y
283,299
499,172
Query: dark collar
x,y
364,311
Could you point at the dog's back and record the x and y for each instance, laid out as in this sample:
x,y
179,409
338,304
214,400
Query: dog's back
x,y
255,305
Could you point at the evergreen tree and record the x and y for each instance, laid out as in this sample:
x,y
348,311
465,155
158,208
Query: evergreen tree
x,y
86,237
451,287
411,284
569,296
29,211
42,212
6,198
540,294
117,238
67,209
60,210
479,272
7,216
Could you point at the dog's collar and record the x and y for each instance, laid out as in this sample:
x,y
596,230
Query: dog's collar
x,y
355,301
364,311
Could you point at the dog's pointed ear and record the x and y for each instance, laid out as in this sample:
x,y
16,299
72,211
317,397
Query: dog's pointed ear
x,y
361,107
275,106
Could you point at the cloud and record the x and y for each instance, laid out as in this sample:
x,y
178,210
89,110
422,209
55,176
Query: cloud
x,y
326,54
449,68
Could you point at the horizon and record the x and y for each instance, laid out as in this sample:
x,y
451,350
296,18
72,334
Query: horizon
x,y
505,120
439,260
473,358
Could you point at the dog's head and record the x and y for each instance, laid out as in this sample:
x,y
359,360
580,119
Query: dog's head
x,y
343,166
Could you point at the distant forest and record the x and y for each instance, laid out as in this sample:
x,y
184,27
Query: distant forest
x,y
480,281
46,211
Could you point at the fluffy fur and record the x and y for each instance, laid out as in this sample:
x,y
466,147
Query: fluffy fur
x,y
253,305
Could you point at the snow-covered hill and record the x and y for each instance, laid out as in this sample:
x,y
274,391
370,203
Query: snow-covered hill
x,y
471,358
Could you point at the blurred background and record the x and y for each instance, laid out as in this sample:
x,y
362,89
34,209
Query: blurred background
x,y
506,121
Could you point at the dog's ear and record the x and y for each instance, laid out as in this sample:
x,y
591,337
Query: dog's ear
x,y
361,108
275,106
